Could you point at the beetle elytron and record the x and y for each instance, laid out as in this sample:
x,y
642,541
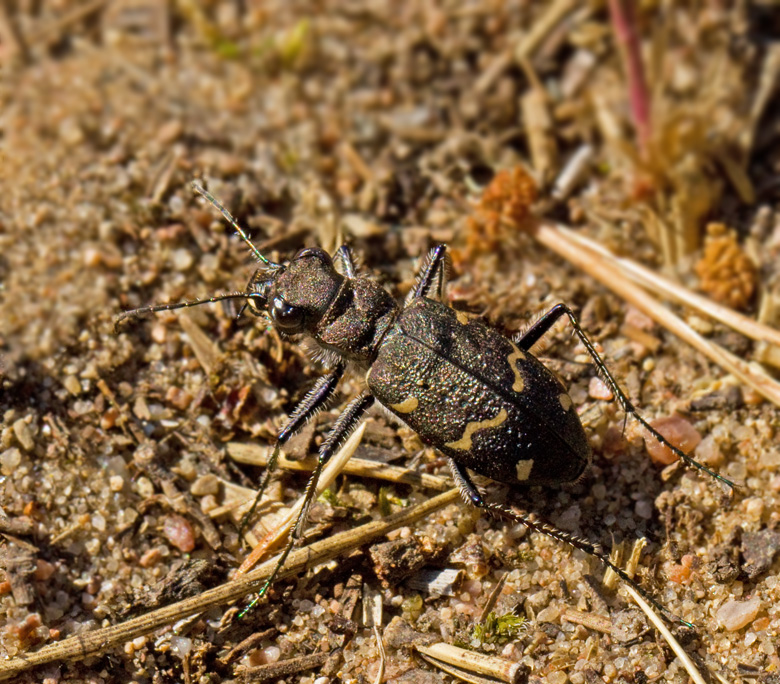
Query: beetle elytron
x,y
477,396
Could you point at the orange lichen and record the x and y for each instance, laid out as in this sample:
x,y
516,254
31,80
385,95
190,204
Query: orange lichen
x,y
505,203
725,272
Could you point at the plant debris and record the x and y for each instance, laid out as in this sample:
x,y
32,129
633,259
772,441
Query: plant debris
x,y
503,129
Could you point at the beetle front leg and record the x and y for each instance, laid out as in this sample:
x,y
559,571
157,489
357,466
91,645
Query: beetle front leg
x,y
543,325
313,402
346,423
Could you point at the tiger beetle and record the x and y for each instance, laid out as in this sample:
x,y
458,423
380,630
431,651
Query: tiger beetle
x,y
480,398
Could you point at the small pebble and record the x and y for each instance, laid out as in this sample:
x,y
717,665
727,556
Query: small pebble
x,y
754,508
159,333
678,431
144,487
263,656
179,533
181,646
98,522
549,614
10,460
72,384
43,570
150,558
206,484
92,257
559,677
116,483
597,389
182,259
24,434
169,132
178,397
734,615
644,509
708,451
208,503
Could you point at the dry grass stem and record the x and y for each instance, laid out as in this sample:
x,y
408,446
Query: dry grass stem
x,y
491,602
690,668
258,455
656,283
98,641
461,663
551,235
372,617
528,45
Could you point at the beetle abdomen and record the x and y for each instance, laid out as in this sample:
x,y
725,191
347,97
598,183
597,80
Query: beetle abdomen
x,y
472,393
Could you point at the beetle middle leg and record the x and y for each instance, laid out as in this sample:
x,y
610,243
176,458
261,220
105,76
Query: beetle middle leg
x,y
348,420
473,496
543,325
313,402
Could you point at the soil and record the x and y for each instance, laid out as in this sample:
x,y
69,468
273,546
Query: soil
x,y
378,124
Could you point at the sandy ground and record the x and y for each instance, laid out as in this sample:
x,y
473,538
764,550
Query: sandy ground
x,y
378,124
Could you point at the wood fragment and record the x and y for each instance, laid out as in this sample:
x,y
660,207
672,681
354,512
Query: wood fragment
x,y
593,621
252,641
206,351
99,640
435,582
283,668
21,526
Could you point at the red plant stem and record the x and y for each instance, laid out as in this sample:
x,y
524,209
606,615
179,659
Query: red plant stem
x,y
624,25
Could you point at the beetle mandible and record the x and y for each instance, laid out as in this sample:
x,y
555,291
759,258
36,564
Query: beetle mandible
x,y
479,397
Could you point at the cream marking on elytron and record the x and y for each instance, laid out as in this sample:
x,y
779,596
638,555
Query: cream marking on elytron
x,y
462,318
524,466
513,358
406,406
565,400
465,441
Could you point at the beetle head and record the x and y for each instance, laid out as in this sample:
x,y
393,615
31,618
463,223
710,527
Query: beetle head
x,y
295,296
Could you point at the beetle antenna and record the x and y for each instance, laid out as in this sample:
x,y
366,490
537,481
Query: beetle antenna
x,y
178,305
229,218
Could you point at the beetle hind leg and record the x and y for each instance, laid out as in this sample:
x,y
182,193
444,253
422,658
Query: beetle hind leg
x,y
543,325
472,495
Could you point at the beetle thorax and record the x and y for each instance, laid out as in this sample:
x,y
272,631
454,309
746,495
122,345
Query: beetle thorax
x,y
345,316
357,320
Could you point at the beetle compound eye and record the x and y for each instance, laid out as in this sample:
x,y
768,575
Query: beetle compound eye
x,y
287,318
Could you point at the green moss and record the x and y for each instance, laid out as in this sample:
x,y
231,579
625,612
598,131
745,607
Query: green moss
x,y
498,629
